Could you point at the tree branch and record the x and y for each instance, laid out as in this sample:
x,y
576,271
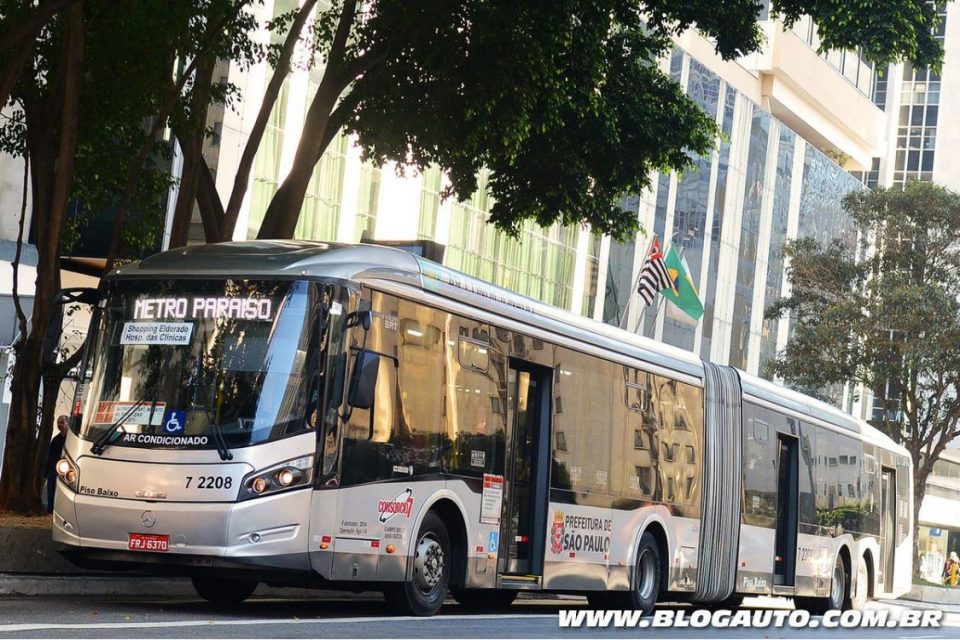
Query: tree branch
x,y
30,28
12,71
21,316
338,46
191,145
280,72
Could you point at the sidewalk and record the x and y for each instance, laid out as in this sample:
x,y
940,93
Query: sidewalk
x,y
33,585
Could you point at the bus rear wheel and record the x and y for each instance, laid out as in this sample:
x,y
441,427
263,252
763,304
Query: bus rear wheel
x,y
860,590
839,587
424,592
484,599
646,586
223,591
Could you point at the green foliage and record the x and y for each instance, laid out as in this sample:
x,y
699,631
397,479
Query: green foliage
x,y
884,313
130,57
563,101
887,31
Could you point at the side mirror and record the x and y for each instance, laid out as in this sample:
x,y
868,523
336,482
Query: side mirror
x,y
360,319
363,380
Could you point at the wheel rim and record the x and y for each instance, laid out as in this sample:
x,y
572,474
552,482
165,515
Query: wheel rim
x,y
428,564
836,590
646,575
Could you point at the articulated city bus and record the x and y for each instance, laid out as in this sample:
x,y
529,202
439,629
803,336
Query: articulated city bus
x,y
308,414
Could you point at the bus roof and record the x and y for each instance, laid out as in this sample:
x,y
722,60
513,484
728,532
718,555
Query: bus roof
x,y
804,404
371,263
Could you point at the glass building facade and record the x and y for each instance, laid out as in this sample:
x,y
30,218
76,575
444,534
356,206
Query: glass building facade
x,y
729,217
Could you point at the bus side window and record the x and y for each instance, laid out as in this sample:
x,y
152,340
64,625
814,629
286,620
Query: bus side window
x,y
586,395
372,437
808,468
827,463
421,334
640,450
476,405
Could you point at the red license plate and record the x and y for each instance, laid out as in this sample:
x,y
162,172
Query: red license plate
x,y
148,542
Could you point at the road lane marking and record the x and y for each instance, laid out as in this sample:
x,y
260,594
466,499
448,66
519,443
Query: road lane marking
x,y
42,626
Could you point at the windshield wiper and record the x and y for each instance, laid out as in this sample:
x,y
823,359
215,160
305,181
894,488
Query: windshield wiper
x,y
104,441
218,436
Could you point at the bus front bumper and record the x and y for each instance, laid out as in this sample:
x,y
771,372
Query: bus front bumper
x,y
268,532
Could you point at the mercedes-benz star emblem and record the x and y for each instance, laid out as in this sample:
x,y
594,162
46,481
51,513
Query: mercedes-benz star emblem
x,y
148,518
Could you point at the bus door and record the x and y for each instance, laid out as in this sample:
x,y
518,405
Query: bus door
x,y
785,548
526,480
888,522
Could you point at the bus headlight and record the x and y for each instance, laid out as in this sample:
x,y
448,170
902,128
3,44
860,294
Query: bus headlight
x,y
291,474
67,471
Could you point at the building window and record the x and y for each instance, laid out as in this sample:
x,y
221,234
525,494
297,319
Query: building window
x,y
368,201
917,121
539,264
320,214
266,165
429,202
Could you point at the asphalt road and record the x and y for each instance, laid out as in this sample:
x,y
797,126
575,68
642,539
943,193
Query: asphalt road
x,y
88,617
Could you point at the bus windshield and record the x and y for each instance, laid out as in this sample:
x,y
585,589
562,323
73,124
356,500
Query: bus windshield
x,y
177,358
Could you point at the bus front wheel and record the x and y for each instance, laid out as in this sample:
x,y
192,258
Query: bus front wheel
x,y
224,592
424,592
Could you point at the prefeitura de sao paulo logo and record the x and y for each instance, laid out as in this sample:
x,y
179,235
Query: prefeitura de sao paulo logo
x,y
402,504
556,533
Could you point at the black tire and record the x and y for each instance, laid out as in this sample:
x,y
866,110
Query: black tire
x,y
484,599
224,591
646,586
859,589
424,593
837,599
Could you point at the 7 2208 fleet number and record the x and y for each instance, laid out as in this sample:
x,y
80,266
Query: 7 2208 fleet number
x,y
210,482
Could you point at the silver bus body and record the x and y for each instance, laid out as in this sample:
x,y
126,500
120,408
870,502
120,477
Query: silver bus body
x,y
716,468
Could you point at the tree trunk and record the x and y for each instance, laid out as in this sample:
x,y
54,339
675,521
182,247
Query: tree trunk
x,y
52,179
48,410
919,490
212,31
17,492
280,219
208,200
191,144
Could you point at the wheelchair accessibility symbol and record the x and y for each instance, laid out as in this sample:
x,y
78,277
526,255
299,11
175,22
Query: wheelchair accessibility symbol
x,y
174,421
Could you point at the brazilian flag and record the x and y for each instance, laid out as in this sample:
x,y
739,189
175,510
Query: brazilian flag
x,y
683,292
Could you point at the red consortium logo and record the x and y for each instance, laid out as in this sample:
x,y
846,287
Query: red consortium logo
x,y
402,504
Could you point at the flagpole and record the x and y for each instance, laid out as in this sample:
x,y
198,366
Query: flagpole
x,y
636,283
661,301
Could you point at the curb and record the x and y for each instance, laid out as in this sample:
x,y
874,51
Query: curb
x,y
22,585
